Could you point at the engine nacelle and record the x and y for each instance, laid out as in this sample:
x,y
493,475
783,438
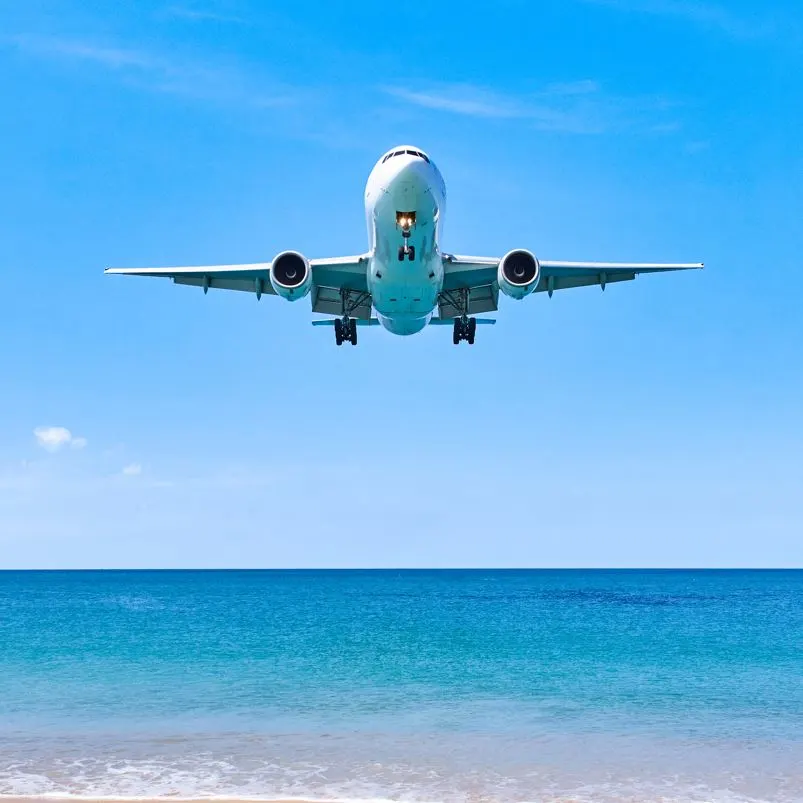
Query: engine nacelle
x,y
291,275
518,273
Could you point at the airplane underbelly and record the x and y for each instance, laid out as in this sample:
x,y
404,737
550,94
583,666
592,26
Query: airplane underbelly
x,y
404,288
406,272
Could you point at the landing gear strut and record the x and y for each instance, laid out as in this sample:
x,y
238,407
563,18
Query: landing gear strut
x,y
405,221
346,327
465,328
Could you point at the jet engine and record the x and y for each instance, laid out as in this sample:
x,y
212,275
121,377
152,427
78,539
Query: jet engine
x,y
518,273
291,275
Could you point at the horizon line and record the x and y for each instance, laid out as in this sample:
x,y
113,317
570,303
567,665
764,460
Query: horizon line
x,y
421,569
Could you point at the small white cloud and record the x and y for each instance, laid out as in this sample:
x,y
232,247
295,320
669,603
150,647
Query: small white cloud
x,y
132,470
54,438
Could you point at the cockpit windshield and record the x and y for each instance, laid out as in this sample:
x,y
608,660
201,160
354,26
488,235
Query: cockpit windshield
x,y
408,151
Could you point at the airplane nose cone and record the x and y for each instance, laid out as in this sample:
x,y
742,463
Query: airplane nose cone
x,y
409,183
412,171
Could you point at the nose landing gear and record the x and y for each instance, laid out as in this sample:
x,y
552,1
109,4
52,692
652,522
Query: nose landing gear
x,y
406,251
405,221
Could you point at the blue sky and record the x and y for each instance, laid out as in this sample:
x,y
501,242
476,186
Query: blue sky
x,y
657,424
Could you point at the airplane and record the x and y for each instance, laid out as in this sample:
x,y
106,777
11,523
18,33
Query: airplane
x,y
404,276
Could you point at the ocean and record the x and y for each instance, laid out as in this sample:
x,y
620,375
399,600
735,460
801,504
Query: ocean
x,y
603,686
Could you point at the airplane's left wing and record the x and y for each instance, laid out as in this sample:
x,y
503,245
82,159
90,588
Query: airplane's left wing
x,y
478,277
330,276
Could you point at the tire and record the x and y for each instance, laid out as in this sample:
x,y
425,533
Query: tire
x,y
401,254
353,331
456,333
411,253
472,330
338,332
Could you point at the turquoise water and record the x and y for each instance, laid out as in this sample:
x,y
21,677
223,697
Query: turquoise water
x,y
408,685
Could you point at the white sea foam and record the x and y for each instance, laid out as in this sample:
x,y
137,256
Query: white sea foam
x,y
437,774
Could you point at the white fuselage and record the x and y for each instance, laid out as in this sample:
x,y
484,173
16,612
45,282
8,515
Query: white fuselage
x,y
404,291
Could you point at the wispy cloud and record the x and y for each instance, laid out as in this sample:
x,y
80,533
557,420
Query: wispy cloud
x,y
132,470
579,107
463,99
761,23
160,73
193,14
52,439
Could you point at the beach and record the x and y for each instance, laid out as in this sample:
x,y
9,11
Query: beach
x,y
590,687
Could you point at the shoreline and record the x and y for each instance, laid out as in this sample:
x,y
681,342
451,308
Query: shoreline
x,y
65,798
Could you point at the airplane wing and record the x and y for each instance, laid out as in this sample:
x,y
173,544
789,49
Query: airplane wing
x,y
477,275
329,277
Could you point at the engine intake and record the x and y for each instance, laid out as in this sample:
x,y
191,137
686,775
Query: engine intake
x,y
518,273
291,275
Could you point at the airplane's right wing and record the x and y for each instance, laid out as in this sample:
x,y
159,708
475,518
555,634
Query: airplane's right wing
x,y
563,275
478,277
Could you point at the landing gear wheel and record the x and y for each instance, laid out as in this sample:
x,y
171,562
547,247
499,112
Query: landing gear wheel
x,y
353,331
411,253
401,253
339,332
464,329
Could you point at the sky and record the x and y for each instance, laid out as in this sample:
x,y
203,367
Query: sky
x,y
143,424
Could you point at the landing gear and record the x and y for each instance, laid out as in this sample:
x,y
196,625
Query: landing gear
x,y
352,301
465,328
458,302
346,329
406,222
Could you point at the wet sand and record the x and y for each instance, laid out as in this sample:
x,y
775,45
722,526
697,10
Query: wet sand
x,y
176,798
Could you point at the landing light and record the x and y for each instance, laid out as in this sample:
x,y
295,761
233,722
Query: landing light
x,y
405,219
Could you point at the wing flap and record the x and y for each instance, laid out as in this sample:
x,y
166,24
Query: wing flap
x,y
329,301
481,298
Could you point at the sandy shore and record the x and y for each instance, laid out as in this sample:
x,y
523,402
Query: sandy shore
x,y
176,798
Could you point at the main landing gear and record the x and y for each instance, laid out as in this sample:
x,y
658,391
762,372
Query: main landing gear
x,y
465,328
346,326
346,329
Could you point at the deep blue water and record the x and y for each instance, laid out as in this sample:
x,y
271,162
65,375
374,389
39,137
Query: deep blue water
x,y
424,685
